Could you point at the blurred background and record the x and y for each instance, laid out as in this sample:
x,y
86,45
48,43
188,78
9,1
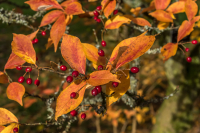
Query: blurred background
x,y
156,79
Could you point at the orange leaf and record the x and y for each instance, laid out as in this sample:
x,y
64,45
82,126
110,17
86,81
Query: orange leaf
x,y
37,5
50,17
68,19
49,43
14,61
3,78
169,50
120,90
1,128
73,53
92,55
23,47
162,16
64,103
150,8
195,19
116,21
138,21
58,30
176,7
135,11
28,102
191,9
162,25
7,117
102,77
74,8
185,29
136,48
32,35
161,4
108,6
9,129
15,91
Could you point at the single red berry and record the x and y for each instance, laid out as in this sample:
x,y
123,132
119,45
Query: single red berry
x,y
73,113
69,79
98,89
37,82
94,92
15,130
83,116
115,12
29,81
95,18
73,95
100,67
194,42
21,79
134,69
98,8
96,13
36,58
103,43
35,41
43,33
28,69
75,73
101,52
187,49
18,67
98,20
189,59
63,68
115,84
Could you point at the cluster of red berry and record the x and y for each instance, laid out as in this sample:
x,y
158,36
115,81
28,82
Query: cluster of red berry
x,y
34,41
189,59
74,113
69,79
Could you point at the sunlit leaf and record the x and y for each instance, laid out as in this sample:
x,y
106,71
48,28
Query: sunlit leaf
x,y
138,21
169,50
9,129
162,16
161,4
162,25
116,21
108,6
68,19
191,9
176,7
74,8
1,128
7,117
32,35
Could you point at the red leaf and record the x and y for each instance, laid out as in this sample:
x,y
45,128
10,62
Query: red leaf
x,y
14,61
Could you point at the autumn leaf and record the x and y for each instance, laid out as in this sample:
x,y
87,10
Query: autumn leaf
x,y
64,103
7,117
15,91
74,8
50,17
150,8
191,9
138,21
176,7
3,78
49,43
23,47
120,90
137,48
162,25
1,128
102,77
68,19
185,29
32,35
36,5
162,16
58,30
108,6
9,129
135,11
116,21
169,50
92,55
161,4
73,53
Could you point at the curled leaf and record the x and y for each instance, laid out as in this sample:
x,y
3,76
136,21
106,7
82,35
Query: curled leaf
x,y
162,25
162,16
138,21
74,8
191,9
176,7
7,117
3,78
108,6
116,21
68,19
15,91
161,4
169,50
32,35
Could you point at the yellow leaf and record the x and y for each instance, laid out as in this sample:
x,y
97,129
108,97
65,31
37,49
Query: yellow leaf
x,y
163,25
7,117
9,129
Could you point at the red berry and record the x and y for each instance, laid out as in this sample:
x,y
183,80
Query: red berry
x,y
36,58
96,13
100,67
98,8
63,68
43,33
29,81
73,113
95,18
101,52
75,73
69,79
115,12
35,41
189,59
94,92
15,130
134,69
21,79
83,116
115,84
187,49
73,95
37,82
194,42
98,20
103,43
28,69
18,67
98,89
